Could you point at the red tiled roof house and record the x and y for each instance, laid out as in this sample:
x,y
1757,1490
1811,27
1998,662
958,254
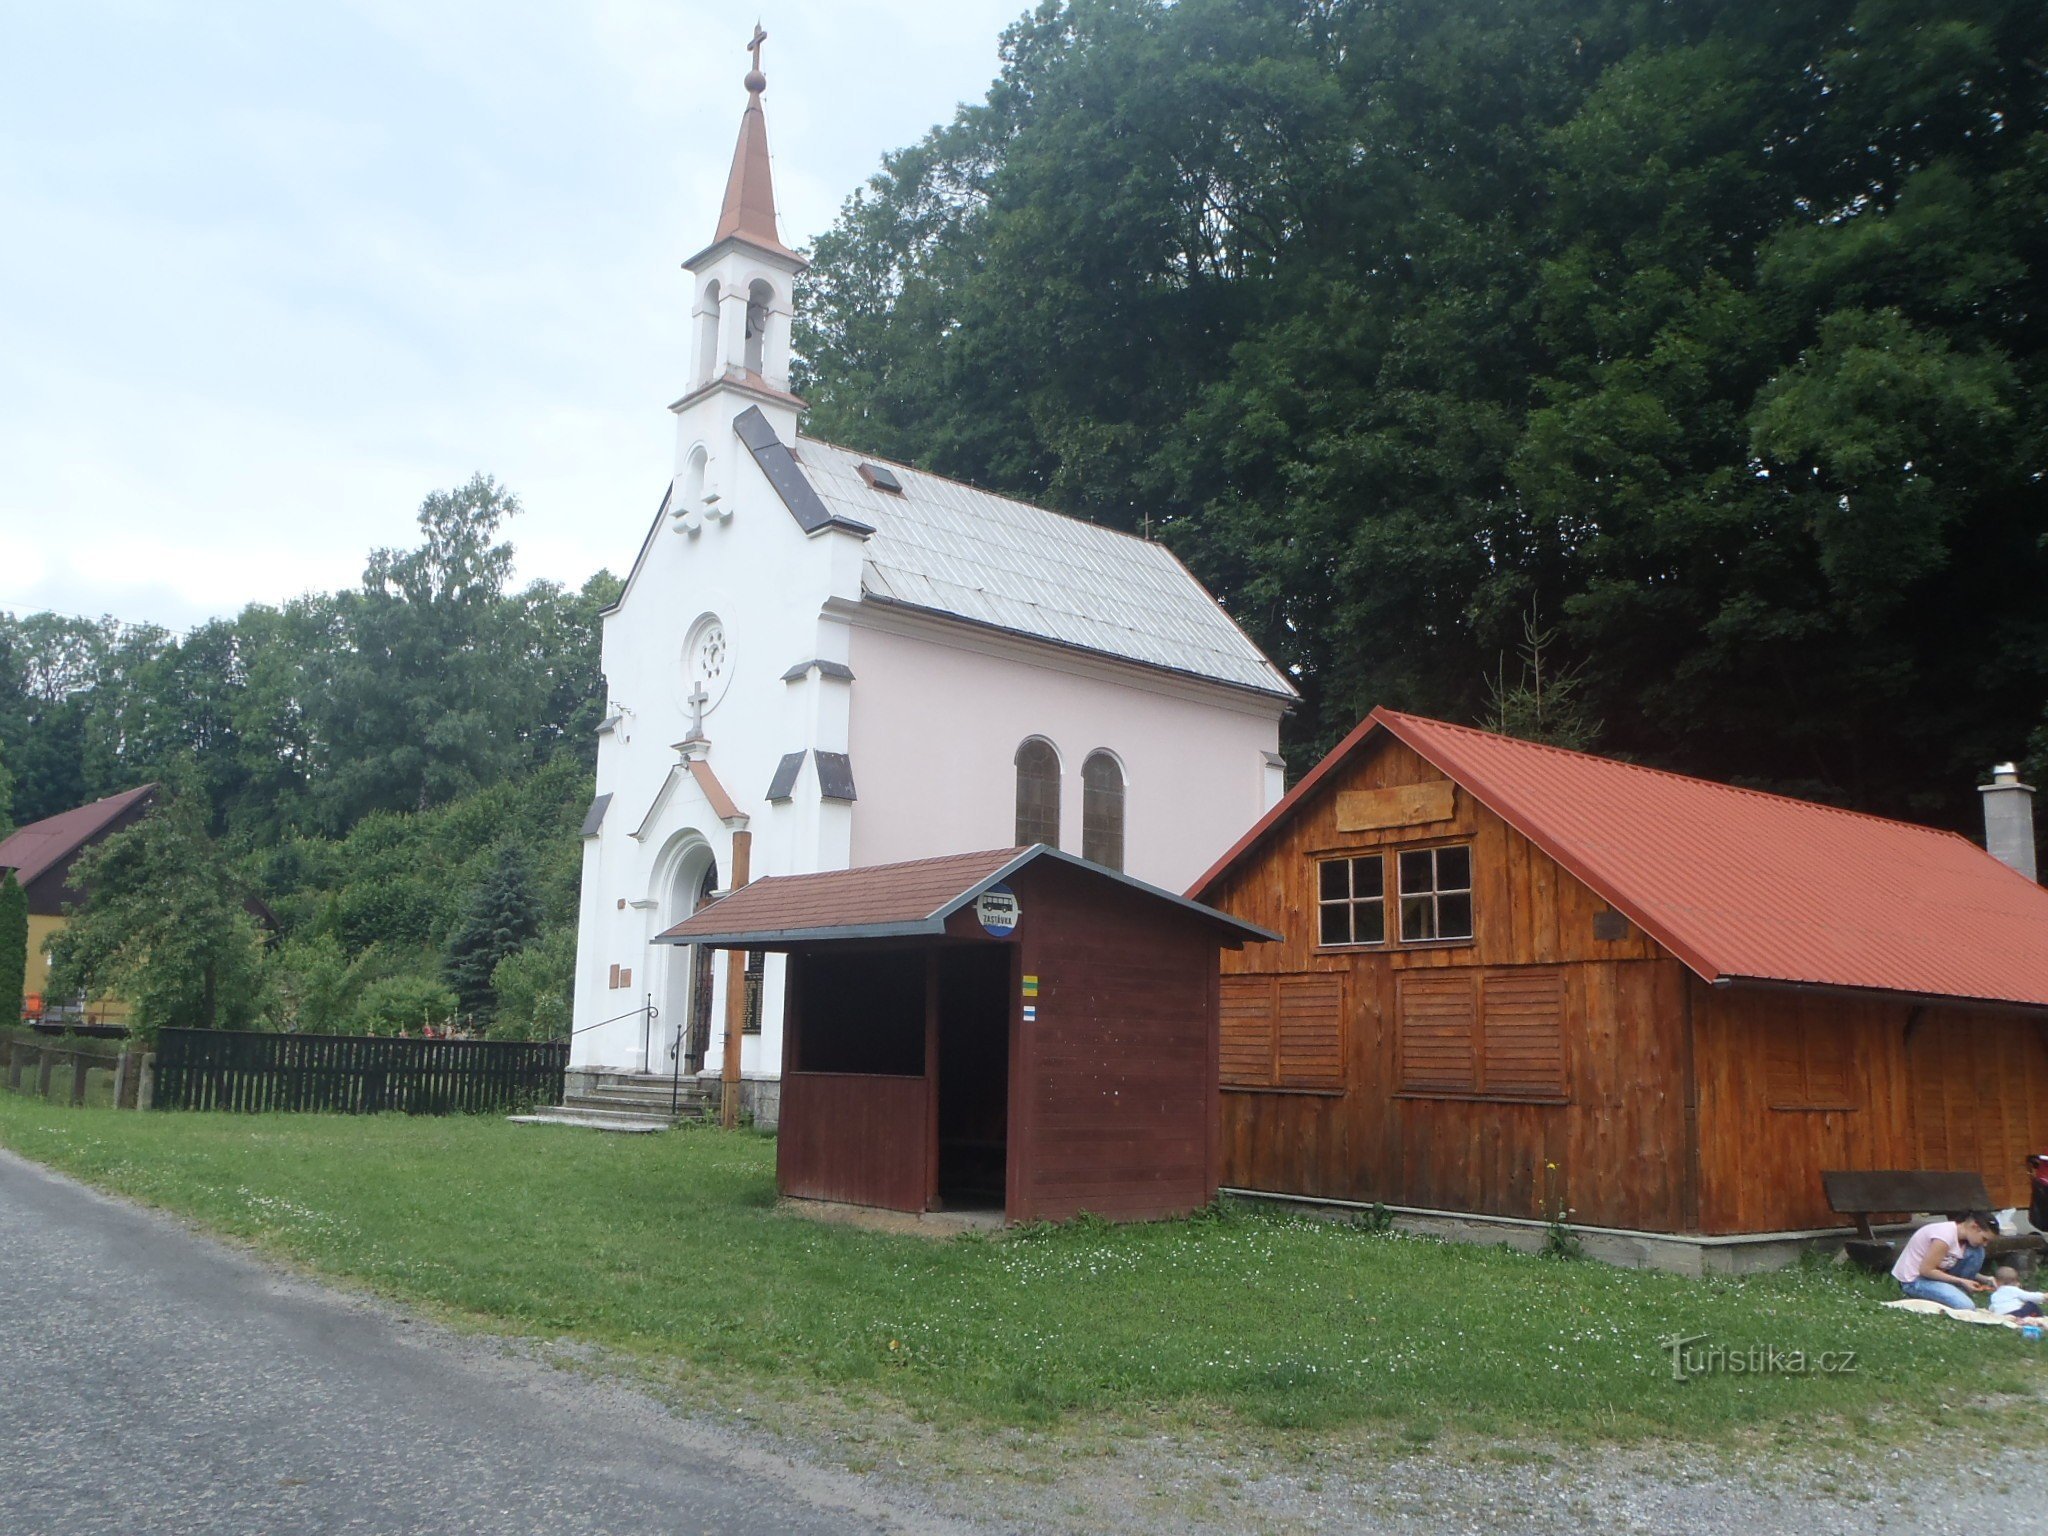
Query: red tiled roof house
x,y
41,855
1516,980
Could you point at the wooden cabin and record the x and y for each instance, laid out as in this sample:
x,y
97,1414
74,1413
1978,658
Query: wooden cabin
x,y
1515,980
1018,1031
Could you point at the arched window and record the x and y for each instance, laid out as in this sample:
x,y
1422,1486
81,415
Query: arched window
x,y
693,479
707,334
1102,810
760,297
1038,792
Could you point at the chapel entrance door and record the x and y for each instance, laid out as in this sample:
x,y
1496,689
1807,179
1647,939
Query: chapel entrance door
x,y
697,1033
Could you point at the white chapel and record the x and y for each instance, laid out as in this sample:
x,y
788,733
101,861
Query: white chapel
x,y
821,660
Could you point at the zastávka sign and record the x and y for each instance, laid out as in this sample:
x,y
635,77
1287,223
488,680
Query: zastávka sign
x,y
999,911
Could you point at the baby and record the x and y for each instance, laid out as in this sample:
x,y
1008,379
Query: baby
x,y
2010,1301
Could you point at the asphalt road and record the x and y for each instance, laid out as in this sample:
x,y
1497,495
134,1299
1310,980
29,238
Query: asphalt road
x,y
156,1383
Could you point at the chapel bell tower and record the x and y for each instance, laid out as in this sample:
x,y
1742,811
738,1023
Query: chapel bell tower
x,y
740,291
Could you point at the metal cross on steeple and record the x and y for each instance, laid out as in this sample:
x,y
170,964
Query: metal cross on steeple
x,y
754,45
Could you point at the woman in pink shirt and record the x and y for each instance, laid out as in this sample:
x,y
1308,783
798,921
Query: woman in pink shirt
x,y
1941,1260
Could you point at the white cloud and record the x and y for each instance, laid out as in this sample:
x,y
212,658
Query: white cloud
x,y
281,271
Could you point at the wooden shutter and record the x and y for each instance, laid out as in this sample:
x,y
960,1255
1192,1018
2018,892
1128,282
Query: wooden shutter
x,y
1522,1034
1311,1029
1436,1017
1283,1032
1806,1065
1249,1027
1785,1068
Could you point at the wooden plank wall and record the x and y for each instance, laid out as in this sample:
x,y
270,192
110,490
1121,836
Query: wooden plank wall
x,y
1936,1087
1620,1140
1112,1090
855,1137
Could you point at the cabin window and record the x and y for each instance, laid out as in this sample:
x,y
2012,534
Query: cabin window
x,y
1482,1034
1038,793
1351,905
1102,810
1436,894
1283,1032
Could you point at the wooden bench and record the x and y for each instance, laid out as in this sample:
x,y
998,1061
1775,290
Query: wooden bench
x,y
1864,1193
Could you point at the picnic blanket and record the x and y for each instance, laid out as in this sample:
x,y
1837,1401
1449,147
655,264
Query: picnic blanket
x,y
1961,1314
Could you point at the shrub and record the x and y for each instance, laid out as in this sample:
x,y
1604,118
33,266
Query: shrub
x,y
535,988
400,1005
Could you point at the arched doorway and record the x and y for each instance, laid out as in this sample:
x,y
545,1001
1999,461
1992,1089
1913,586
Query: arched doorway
x,y
684,994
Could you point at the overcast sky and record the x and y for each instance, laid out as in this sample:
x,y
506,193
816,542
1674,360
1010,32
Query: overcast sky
x,y
269,273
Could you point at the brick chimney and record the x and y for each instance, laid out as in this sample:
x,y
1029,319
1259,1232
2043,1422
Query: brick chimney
x,y
2009,819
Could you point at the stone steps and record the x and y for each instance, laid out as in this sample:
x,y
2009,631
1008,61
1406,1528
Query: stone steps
x,y
635,1104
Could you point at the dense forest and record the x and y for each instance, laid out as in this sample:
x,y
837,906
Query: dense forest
x,y
1698,346
1709,334
371,796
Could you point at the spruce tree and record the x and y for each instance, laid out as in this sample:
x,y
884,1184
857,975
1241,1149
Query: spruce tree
x,y
501,916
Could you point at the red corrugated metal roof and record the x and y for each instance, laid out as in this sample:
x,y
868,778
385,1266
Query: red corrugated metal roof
x,y
34,849
1742,885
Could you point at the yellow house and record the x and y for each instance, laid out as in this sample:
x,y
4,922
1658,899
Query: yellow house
x,y
41,855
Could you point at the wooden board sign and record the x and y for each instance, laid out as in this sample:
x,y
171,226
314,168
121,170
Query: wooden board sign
x,y
1404,805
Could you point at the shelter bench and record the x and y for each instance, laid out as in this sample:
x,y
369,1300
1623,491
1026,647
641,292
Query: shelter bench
x,y
1864,1193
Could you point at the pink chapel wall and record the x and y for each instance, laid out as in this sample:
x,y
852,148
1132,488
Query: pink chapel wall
x,y
936,723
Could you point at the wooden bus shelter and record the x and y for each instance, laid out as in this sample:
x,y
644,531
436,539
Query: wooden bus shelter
x,y
1018,1030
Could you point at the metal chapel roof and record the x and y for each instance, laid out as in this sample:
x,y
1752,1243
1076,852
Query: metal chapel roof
x,y
1738,884
968,554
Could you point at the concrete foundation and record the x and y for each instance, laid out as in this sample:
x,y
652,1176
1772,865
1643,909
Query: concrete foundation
x,y
1679,1254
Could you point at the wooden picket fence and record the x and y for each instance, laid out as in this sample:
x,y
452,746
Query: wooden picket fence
x,y
354,1074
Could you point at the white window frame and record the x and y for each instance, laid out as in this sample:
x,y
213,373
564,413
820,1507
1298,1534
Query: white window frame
x,y
1352,901
1434,895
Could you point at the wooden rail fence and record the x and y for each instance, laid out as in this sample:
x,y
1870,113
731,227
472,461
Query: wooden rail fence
x,y
51,1069
354,1074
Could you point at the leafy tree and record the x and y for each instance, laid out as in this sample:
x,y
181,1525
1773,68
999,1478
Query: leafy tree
x,y
164,926
416,706
535,988
403,1005
13,945
309,986
501,916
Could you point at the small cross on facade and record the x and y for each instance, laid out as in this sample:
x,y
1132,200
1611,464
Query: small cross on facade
x,y
697,700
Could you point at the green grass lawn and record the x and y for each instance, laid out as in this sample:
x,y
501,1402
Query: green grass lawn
x,y
671,1248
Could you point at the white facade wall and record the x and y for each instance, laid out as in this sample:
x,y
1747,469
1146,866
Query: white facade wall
x,y
931,719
